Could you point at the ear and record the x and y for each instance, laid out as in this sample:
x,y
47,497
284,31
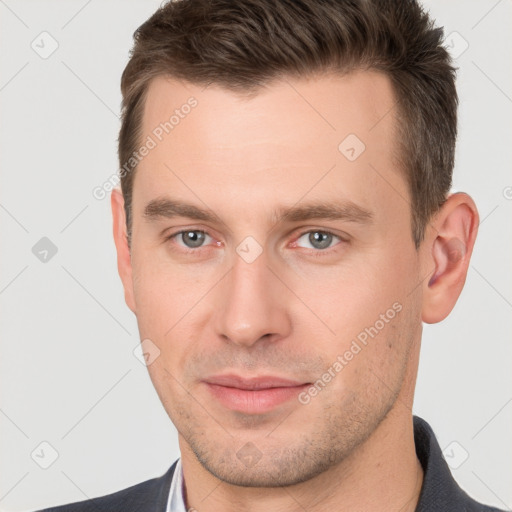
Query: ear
x,y
453,233
124,264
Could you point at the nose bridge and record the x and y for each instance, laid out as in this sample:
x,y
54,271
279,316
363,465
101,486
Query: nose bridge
x,y
249,306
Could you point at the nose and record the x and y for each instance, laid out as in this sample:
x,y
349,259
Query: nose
x,y
250,304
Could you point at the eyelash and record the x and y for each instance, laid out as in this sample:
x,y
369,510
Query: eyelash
x,y
318,253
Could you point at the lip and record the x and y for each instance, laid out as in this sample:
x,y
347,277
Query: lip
x,y
254,383
255,395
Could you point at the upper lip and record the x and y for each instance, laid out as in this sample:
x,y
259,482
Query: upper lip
x,y
254,383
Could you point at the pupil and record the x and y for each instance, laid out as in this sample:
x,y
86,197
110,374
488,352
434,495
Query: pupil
x,y
193,238
320,240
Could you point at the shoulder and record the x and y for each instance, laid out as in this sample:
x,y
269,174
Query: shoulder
x,y
440,491
150,495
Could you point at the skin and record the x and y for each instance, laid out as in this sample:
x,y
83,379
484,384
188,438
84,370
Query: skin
x,y
294,309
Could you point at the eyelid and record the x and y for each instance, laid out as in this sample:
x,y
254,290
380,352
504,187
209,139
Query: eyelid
x,y
170,233
334,232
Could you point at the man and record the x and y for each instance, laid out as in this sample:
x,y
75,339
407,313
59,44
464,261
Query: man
x,y
284,228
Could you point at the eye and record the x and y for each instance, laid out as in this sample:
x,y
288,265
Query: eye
x,y
317,239
191,238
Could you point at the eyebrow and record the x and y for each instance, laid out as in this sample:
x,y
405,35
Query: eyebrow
x,y
168,208
342,210
346,210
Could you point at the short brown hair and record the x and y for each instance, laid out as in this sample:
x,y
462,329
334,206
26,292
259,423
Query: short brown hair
x,y
242,44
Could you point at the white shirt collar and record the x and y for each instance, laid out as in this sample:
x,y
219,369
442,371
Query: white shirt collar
x,y
176,503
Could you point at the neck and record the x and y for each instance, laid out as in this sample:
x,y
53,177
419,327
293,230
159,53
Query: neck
x,y
382,474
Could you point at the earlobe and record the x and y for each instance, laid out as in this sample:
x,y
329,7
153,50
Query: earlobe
x,y
454,231
124,264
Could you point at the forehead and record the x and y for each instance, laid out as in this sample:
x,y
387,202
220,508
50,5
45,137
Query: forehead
x,y
327,106
328,134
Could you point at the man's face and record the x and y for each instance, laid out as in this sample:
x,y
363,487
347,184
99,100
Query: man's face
x,y
250,292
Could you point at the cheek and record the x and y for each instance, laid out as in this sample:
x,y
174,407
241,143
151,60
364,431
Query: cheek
x,y
173,312
164,293
367,307
155,302
352,297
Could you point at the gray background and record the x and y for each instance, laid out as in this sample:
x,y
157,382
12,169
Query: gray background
x,y
68,373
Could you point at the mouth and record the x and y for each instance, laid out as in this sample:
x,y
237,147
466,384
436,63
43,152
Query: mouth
x,y
255,395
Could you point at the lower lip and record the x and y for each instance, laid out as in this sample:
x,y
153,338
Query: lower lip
x,y
254,401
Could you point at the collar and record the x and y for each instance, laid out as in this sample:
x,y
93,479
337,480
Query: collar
x,y
176,503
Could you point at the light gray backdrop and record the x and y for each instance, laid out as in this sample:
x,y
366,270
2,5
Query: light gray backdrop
x,y
69,378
